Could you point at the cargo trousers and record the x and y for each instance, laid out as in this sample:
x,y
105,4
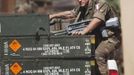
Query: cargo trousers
x,y
103,51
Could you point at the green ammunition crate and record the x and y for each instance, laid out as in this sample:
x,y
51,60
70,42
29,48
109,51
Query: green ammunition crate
x,y
48,67
47,47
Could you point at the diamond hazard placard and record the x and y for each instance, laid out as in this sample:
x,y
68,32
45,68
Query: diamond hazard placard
x,y
16,68
14,45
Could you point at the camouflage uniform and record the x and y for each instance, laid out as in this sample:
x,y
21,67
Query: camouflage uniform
x,y
102,11
86,13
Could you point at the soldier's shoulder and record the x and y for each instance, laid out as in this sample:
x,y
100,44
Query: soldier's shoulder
x,y
103,4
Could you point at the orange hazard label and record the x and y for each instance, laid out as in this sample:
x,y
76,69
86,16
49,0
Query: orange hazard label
x,y
15,68
15,45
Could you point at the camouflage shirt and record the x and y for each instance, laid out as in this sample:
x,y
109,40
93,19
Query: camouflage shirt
x,y
100,10
103,11
86,12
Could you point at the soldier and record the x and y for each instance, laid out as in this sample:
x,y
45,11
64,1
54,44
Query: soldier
x,y
99,12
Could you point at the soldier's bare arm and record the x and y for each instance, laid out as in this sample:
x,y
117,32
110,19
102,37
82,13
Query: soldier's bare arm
x,y
92,25
65,14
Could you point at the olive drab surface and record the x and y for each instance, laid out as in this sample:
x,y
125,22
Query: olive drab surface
x,y
21,25
47,67
27,47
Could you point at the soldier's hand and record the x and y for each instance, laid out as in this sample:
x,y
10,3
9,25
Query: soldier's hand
x,y
51,16
78,33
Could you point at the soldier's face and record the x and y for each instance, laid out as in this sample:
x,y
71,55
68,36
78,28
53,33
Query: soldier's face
x,y
83,2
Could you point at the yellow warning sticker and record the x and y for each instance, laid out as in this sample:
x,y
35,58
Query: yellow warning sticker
x,y
16,68
92,62
93,40
15,45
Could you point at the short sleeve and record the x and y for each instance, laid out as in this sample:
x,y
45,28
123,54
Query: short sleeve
x,y
101,11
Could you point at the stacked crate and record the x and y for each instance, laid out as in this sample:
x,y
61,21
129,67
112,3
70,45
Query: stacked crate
x,y
28,48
